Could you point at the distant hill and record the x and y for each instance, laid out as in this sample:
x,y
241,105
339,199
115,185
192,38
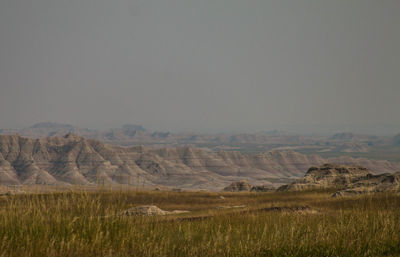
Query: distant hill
x,y
351,137
352,147
51,125
50,129
47,129
131,134
343,136
134,135
396,140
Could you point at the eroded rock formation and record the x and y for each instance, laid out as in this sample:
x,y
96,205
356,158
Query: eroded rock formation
x,y
71,159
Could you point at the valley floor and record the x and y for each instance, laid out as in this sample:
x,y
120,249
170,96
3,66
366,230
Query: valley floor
x,y
89,223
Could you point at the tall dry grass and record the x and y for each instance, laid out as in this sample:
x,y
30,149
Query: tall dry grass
x,y
85,224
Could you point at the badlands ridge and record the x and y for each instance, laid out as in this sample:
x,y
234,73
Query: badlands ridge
x,y
71,160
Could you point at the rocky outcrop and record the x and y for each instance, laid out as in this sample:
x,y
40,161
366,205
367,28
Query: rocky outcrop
x,y
149,210
372,184
348,180
328,176
238,186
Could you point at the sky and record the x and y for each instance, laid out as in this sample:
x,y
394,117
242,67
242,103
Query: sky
x,y
202,65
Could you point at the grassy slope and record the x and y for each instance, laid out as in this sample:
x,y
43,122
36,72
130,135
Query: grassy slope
x,y
74,224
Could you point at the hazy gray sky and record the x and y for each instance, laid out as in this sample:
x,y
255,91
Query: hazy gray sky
x,y
203,65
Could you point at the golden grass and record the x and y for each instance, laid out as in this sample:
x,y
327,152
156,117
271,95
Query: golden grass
x,y
85,223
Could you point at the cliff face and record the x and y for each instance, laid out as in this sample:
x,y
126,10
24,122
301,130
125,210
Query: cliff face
x,y
373,184
328,176
349,180
72,160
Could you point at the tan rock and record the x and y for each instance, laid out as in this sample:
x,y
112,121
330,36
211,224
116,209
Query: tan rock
x,y
149,210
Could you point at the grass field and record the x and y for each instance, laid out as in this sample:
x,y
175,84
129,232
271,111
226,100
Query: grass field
x,y
84,223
